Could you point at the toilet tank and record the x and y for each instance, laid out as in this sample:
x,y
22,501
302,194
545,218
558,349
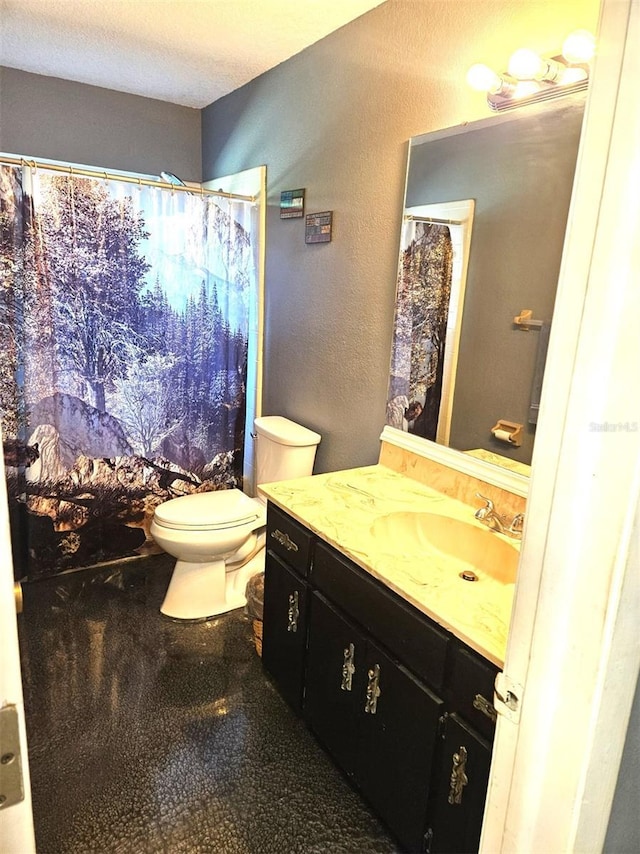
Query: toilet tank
x,y
284,449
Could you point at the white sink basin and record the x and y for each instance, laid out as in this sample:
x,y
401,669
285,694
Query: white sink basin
x,y
478,548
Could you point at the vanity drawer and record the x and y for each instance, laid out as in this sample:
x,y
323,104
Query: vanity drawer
x,y
289,540
471,682
411,637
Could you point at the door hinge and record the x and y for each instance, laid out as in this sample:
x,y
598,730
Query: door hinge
x,y
507,697
11,782
293,612
442,724
427,842
17,594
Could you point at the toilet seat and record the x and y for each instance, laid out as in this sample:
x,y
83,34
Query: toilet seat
x,y
208,511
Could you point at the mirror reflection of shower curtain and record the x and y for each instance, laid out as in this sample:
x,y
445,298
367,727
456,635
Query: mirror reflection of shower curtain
x,y
124,317
420,327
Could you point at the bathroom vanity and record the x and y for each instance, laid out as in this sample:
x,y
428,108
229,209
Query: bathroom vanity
x,y
401,703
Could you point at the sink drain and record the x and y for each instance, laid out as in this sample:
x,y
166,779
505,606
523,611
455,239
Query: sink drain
x,y
468,575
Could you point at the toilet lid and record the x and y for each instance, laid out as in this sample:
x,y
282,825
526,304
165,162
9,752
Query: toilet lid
x,y
208,511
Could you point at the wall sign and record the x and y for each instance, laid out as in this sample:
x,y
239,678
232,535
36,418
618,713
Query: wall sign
x,y
291,204
318,227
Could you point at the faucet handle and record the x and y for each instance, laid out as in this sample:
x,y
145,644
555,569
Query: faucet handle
x,y
517,524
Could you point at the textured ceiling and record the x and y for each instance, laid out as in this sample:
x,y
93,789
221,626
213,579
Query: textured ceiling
x,y
188,52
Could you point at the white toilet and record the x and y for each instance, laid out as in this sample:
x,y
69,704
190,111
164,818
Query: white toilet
x,y
218,537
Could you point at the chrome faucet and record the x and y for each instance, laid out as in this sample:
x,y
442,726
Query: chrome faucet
x,y
490,517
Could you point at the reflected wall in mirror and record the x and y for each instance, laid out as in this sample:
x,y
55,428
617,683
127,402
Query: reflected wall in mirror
x,y
518,168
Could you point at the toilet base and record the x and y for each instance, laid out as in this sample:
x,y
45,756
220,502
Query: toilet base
x,y
199,591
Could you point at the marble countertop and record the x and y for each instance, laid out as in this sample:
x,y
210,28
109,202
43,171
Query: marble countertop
x,y
342,508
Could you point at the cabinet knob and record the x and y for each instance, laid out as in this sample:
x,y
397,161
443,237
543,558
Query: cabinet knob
x,y
293,612
373,690
459,778
348,667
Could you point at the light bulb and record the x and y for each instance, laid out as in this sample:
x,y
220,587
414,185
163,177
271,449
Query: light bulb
x,y
484,79
579,46
572,75
525,64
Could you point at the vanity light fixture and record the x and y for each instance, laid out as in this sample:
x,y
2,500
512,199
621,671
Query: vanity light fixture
x,y
530,78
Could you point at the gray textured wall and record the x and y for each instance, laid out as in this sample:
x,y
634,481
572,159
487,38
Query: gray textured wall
x,y
62,120
520,174
623,836
336,120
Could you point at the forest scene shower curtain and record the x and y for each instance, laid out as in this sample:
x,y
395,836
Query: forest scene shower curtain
x,y
420,328
124,324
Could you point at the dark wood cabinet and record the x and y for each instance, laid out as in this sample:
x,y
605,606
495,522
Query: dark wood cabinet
x,y
335,678
284,637
286,599
459,790
396,746
402,706
378,722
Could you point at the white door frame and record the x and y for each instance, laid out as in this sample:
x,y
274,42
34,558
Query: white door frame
x,y
16,821
574,638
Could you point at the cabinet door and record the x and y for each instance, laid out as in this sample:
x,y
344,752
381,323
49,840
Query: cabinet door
x,y
284,628
334,681
398,722
455,816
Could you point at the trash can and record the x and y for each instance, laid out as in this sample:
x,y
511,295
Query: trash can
x,y
255,607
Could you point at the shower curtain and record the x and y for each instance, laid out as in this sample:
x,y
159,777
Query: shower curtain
x,y
420,325
124,324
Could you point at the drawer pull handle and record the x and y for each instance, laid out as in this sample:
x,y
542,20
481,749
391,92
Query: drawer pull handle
x,y
348,667
484,706
293,613
284,540
373,690
459,778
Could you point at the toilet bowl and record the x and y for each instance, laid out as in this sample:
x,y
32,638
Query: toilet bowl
x,y
218,540
218,537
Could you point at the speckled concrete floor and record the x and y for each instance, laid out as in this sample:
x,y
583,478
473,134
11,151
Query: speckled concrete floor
x,y
147,735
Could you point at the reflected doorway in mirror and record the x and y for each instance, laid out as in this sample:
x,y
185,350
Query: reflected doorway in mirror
x,y
429,299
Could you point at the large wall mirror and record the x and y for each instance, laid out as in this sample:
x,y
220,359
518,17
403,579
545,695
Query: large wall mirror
x,y
485,215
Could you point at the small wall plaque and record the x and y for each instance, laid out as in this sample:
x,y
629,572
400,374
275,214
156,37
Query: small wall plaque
x,y
318,227
291,204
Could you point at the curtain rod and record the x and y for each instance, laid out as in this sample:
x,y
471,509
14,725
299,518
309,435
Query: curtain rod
x,y
434,220
140,182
